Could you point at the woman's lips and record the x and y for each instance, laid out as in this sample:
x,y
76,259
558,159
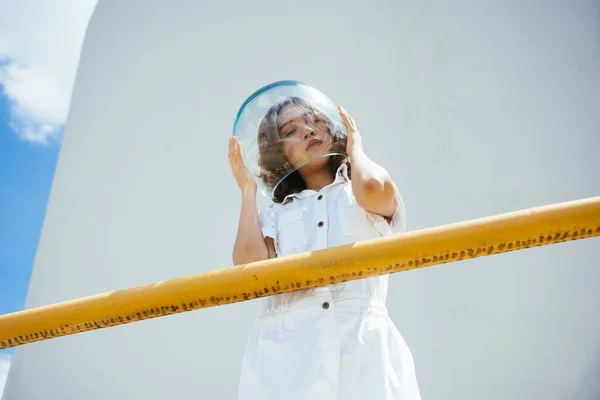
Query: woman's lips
x,y
312,143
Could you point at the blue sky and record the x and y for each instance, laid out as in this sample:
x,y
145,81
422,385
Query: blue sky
x,y
39,55
26,171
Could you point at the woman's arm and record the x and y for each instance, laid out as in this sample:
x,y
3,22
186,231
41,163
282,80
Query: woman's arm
x,y
250,246
371,183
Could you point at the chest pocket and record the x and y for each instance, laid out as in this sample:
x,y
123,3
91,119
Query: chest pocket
x,y
355,222
290,232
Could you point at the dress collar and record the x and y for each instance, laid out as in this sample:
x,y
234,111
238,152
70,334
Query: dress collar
x,y
341,176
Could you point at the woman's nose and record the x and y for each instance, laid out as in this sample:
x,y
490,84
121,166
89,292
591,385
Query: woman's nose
x,y
308,131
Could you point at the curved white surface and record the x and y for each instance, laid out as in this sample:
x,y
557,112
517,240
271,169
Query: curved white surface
x,y
475,110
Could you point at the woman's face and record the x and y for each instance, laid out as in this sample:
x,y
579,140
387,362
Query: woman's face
x,y
304,135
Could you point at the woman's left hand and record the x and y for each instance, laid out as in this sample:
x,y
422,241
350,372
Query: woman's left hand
x,y
354,139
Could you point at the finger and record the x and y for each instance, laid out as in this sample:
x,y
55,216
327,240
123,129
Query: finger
x,y
233,163
234,151
230,148
238,156
348,117
346,114
345,117
238,150
346,122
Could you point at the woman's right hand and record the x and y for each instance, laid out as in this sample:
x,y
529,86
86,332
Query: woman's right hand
x,y
241,174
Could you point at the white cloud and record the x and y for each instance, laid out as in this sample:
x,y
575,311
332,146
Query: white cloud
x,y
40,42
4,365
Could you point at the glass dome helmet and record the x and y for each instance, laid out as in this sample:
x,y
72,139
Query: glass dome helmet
x,y
285,127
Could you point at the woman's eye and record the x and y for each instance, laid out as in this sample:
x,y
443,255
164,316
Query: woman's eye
x,y
290,133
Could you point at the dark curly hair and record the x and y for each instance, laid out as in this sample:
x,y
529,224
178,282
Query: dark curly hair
x,y
275,164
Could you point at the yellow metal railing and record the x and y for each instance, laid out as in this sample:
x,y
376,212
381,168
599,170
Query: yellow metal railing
x,y
481,237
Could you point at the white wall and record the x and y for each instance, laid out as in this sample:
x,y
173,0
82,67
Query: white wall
x,y
475,110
